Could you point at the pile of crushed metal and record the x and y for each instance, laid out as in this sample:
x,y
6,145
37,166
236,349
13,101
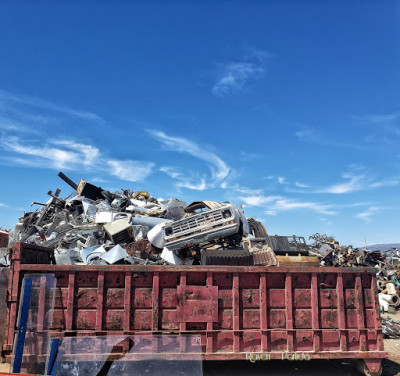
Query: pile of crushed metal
x,y
98,227
4,240
390,328
388,273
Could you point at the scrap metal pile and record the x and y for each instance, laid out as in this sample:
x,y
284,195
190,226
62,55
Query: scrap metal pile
x,y
4,240
390,328
388,273
99,227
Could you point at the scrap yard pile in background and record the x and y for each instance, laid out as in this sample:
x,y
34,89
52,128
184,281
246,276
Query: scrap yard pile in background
x,y
98,227
386,263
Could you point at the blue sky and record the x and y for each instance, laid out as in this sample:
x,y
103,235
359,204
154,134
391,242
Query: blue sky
x,y
290,108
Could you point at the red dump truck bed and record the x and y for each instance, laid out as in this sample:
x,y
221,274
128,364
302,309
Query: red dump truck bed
x,y
320,313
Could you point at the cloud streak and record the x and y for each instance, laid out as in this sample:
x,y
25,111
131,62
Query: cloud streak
x,y
68,154
389,124
314,136
11,98
234,76
355,180
278,204
379,118
219,170
369,213
130,170
21,115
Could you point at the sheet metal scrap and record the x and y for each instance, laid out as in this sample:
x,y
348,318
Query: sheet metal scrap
x,y
292,245
390,328
99,227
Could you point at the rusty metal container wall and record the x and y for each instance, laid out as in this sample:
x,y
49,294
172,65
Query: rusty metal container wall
x,y
4,275
326,312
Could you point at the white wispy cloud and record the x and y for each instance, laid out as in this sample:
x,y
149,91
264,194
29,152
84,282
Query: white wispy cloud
x,y
67,154
309,135
259,200
301,185
281,180
100,180
358,204
232,76
21,115
199,185
327,221
249,156
315,136
385,126
173,172
44,156
8,98
276,204
357,178
130,170
369,213
246,191
285,204
219,170
3,205
379,118
11,125
353,183
356,183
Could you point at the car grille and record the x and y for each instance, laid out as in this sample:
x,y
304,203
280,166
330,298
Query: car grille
x,y
196,222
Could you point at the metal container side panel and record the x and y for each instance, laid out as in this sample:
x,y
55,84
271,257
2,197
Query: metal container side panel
x,y
4,277
327,312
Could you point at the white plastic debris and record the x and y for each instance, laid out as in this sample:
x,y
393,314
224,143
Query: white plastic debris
x,y
391,288
115,255
106,217
172,258
386,300
138,209
155,236
103,217
139,203
91,253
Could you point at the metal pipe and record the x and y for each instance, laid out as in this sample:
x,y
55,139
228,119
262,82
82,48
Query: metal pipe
x,y
150,222
68,180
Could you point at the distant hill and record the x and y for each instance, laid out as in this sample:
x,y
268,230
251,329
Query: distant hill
x,y
383,247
